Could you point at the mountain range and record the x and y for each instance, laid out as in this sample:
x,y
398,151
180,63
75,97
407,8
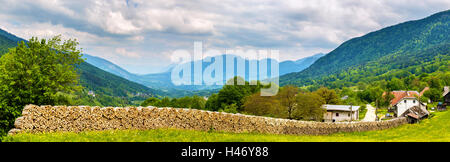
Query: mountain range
x,y
163,80
378,55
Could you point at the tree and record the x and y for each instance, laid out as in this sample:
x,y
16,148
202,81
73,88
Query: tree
x,y
371,94
152,101
433,94
33,73
309,107
386,99
395,84
165,102
233,93
232,108
287,99
212,103
183,102
198,102
328,95
435,83
263,106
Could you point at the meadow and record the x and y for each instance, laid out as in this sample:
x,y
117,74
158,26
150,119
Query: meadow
x,y
434,129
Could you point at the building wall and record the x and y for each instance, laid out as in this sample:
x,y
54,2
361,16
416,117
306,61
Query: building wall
x,y
343,116
402,106
84,118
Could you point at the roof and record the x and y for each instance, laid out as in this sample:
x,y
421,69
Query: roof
x,y
399,95
413,115
340,107
416,112
446,90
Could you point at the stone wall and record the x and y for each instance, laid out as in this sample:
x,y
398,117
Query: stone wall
x,y
83,118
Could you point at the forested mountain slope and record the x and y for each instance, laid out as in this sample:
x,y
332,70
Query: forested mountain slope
x,y
411,47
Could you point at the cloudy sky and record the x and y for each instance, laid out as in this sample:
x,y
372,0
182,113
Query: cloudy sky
x,y
140,35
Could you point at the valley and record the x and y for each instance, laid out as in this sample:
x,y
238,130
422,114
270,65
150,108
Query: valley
x,y
356,77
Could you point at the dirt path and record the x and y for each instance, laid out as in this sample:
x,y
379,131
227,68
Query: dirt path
x,y
370,114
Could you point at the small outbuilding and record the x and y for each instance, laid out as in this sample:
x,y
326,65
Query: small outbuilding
x,y
337,113
446,96
415,114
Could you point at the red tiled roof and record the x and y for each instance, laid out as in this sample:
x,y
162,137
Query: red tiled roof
x,y
399,95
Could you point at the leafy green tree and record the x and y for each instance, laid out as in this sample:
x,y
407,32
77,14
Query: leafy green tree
x,y
165,102
212,103
328,95
395,84
263,106
152,101
234,93
433,94
232,108
173,103
309,107
287,99
371,94
385,100
183,102
198,102
34,73
435,83
424,99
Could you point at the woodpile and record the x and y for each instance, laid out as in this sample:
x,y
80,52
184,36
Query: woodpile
x,y
83,118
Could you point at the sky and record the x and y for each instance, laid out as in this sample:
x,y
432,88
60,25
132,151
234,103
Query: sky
x,y
141,35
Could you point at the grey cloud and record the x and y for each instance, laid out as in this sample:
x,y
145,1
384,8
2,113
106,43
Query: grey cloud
x,y
161,26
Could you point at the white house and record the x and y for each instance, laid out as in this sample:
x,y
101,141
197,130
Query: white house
x,y
403,100
405,103
337,113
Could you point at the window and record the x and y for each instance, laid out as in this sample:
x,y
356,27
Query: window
x,y
348,114
405,101
414,101
337,114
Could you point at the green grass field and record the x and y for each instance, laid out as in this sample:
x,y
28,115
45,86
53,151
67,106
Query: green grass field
x,y
435,129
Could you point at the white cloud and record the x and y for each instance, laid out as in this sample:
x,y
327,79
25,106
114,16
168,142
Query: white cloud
x,y
152,29
126,53
136,38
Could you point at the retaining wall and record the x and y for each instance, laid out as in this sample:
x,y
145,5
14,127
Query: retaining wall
x,y
82,118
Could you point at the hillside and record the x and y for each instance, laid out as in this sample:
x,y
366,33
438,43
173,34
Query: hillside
x,y
109,67
404,48
100,81
92,77
7,40
163,80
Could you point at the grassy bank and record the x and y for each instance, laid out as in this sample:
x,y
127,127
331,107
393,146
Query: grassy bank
x,y
434,129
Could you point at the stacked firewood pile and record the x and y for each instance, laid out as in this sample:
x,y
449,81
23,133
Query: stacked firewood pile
x,y
83,118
